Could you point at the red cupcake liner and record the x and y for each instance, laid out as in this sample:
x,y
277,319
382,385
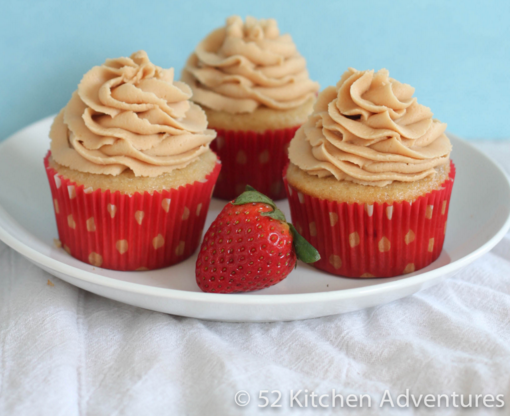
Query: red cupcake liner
x,y
117,231
379,240
250,158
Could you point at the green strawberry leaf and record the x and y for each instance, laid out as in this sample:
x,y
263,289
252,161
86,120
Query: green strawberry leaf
x,y
251,195
304,250
275,215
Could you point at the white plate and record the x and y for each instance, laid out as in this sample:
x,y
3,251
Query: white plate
x,y
479,217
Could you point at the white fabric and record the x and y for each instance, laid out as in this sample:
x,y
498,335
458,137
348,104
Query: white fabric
x,y
64,351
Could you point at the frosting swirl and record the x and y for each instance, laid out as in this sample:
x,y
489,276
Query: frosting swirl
x,y
130,114
369,129
242,66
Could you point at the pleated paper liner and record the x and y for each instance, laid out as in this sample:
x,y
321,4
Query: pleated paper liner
x,y
379,240
130,232
250,158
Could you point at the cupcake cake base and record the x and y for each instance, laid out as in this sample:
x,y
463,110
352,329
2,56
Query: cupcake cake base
x,y
123,229
251,158
253,148
373,238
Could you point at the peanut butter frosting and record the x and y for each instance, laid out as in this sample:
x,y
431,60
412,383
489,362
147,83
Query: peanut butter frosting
x,y
242,66
130,114
370,130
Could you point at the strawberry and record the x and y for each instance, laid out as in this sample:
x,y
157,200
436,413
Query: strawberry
x,y
250,246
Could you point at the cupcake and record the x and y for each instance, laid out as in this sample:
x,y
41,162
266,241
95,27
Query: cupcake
x,y
130,168
370,178
253,84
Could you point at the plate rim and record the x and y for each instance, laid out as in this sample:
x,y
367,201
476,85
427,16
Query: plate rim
x,y
245,298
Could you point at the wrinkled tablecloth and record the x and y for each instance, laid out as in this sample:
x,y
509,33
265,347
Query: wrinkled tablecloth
x,y
64,351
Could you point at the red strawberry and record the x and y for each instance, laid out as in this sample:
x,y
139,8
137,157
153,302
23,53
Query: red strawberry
x,y
249,247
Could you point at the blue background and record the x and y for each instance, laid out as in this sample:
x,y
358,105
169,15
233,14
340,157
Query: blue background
x,y
456,54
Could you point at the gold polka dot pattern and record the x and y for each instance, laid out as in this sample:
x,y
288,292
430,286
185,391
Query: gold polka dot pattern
x,y
241,158
389,212
335,261
112,210
139,217
91,225
71,222
158,241
410,236
179,250
384,245
354,239
431,245
122,246
185,214
409,268
72,191
165,204
95,259
264,157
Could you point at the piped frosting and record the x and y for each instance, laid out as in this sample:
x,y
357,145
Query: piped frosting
x,y
245,65
369,129
130,114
